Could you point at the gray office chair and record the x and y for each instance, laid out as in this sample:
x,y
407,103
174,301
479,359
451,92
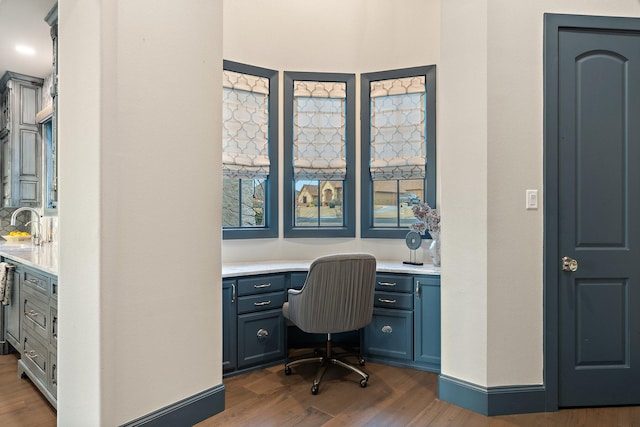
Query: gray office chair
x,y
336,297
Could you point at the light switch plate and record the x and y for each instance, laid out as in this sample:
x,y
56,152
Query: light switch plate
x,y
532,199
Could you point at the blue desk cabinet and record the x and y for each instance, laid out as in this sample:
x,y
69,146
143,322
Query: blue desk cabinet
x,y
229,326
260,323
427,322
390,333
405,329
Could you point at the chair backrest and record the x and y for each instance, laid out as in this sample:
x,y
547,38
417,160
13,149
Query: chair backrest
x,y
337,295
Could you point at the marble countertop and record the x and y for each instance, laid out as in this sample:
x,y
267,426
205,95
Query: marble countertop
x,y
236,269
44,258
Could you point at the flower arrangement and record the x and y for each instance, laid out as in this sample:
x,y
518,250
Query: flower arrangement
x,y
428,219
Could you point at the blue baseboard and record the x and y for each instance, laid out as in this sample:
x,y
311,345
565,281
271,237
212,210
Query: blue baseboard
x,y
503,400
185,412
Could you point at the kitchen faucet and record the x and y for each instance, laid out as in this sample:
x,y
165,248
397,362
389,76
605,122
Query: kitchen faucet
x,y
38,230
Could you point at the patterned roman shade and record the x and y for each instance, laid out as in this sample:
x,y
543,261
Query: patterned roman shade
x,y
319,130
245,126
398,131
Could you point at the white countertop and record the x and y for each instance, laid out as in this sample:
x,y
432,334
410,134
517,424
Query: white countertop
x,y
44,258
236,269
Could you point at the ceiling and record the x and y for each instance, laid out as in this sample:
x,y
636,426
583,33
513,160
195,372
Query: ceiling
x,y
22,23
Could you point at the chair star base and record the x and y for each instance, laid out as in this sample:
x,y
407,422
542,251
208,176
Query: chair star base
x,y
325,361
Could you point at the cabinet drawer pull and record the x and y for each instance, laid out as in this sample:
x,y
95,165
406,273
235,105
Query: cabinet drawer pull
x,y
262,333
32,313
263,285
258,304
387,301
387,284
34,281
386,329
31,354
54,380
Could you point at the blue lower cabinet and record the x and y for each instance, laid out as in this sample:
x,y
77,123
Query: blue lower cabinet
x,y
390,334
427,322
229,324
405,329
260,338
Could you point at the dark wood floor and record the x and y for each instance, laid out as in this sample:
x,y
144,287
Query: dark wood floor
x,y
394,397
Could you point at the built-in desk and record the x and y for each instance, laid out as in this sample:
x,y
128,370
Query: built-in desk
x,y
404,331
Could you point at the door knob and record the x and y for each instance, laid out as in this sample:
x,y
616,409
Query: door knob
x,y
569,264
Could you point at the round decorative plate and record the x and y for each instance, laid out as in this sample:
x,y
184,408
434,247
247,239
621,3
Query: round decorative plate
x,y
413,240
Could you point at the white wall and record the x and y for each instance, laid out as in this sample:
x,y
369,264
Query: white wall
x,y
139,146
515,163
495,288
462,160
329,36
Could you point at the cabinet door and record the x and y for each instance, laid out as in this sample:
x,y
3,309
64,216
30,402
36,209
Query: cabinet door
x,y
13,313
260,337
229,332
390,334
427,322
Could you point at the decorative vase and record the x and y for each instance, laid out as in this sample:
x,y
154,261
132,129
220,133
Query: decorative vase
x,y
434,248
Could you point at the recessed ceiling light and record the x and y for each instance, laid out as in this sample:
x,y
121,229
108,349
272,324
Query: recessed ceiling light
x,y
26,50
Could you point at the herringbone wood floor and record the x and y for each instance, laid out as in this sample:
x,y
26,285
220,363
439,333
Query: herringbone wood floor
x,y
394,397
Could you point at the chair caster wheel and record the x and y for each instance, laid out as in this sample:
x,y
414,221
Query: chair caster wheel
x,y
361,362
314,389
287,370
363,383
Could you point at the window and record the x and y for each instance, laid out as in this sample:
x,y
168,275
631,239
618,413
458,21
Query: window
x,y
398,148
319,133
250,152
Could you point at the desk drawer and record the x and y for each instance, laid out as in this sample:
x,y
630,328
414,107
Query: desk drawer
x,y
261,302
394,300
394,283
260,284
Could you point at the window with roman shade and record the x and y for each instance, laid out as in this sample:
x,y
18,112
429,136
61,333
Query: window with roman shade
x,y
249,151
319,154
398,148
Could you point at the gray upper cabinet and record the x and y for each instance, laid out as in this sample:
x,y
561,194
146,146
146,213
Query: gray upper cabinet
x,y
20,99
